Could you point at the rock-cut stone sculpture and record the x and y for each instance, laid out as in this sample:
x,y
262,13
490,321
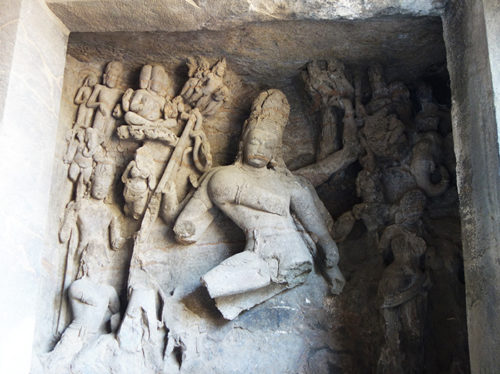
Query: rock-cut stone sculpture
x,y
276,210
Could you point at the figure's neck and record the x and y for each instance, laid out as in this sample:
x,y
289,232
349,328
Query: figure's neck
x,y
253,169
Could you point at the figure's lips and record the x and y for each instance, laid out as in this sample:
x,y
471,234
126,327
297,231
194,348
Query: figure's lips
x,y
258,157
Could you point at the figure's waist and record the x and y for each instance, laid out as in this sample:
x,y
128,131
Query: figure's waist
x,y
270,232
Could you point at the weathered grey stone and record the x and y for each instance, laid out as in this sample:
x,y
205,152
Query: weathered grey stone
x,y
467,25
35,46
260,195
8,21
260,55
192,15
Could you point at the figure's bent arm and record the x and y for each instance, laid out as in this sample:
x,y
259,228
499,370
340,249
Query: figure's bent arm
x,y
125,174
92,102
385,241
315,218
80,96
126,99
196,216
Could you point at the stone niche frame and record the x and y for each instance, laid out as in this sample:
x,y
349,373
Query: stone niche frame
x,y
34,36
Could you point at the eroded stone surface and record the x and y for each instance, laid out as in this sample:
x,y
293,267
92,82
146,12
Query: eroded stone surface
x,y
192,15
168,320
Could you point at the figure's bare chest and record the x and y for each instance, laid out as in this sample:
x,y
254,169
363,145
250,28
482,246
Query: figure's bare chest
x,y
93,218
109,95
267,183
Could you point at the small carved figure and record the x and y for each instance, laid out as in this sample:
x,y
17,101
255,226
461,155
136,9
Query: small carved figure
x,y
87,149
427,164
403,288
139,181
81,142
205,89
384,136
374,211
198,69
84,114
380,92
262,197
104,98
401,103
330,89
427,118
145,107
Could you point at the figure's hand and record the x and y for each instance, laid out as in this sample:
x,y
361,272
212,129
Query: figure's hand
x,y
336,279
184,232
64,235
117,243
332,255
117,112
104,111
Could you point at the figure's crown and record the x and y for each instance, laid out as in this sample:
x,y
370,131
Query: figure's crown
x,y
273,105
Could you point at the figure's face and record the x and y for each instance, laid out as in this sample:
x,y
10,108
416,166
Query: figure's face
x,y
143,83
260,147
111,77
220,70
92,81
100,186
157,85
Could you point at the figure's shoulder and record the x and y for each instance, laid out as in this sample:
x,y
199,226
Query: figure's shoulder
x,y
297,183
225,175
222,181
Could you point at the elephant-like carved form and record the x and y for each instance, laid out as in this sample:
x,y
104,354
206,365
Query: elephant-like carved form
x,y
426,164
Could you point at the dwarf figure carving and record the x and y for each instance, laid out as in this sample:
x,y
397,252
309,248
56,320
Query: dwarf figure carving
x,y
262,197
139,181
82,158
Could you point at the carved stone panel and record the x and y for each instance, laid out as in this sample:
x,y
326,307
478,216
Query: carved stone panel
x,y
200,231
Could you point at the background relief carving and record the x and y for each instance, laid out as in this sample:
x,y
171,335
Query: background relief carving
x,y
195,239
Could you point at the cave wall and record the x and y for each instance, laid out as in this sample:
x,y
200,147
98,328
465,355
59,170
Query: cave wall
x,y
27,21
304,328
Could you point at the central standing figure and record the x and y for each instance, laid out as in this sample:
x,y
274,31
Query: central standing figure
x,y
281,215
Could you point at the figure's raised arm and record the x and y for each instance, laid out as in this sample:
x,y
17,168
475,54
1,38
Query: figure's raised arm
x,y
126,99
80,96
92,101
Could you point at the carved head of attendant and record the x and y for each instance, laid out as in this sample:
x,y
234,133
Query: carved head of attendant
x,y
90,80
145,76
260,144
159,80
112,74
102,179
220,67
